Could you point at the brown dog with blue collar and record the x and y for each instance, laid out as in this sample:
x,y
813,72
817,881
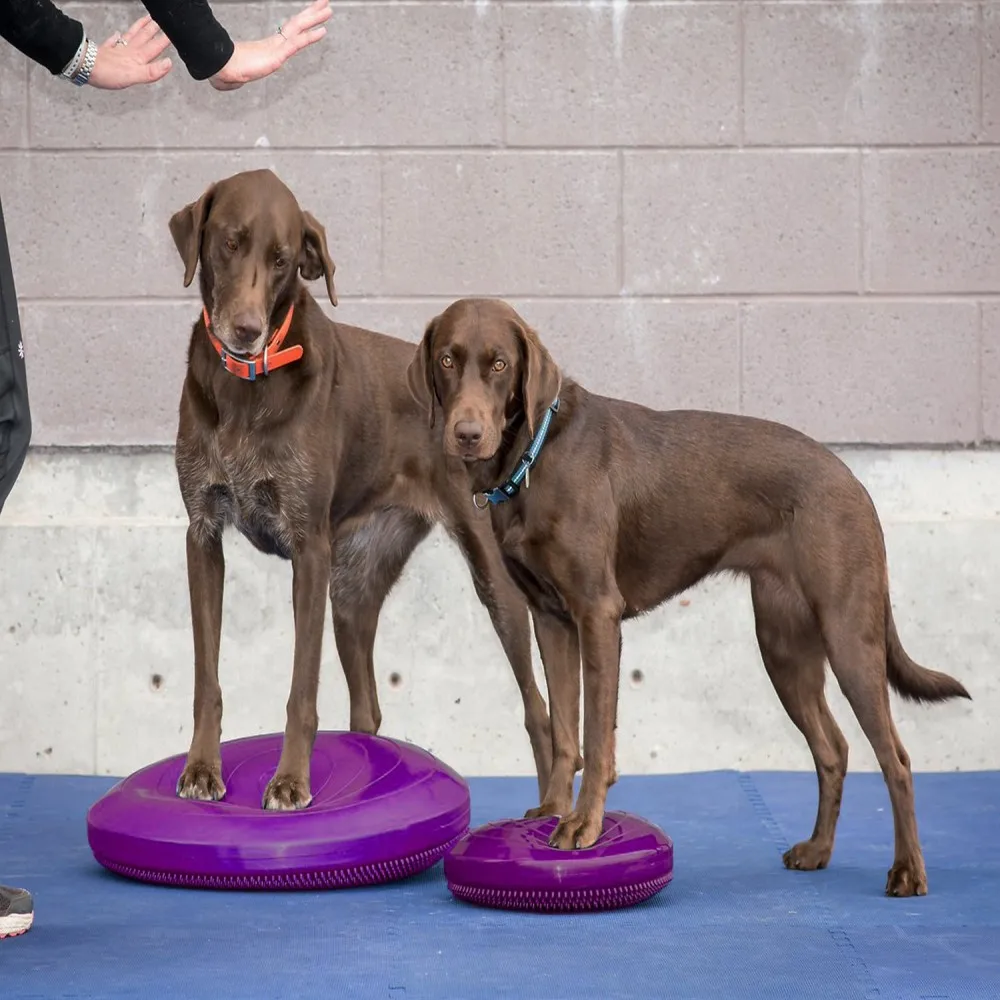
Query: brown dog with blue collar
x,y
302,434
604,509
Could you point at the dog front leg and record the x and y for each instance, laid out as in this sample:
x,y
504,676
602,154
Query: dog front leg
x,y
600,645
289,788
559,646
206,566
508,611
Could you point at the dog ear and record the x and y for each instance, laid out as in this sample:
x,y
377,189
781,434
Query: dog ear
x,y
420,374
186,227
316,259
540,376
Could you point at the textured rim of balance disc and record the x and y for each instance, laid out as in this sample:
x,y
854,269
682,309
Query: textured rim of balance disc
x,y
382,810
509,865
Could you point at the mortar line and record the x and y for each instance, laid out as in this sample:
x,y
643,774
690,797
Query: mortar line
x,y
621,223
980,69
503,78
442,149
665,297
862,236
741,101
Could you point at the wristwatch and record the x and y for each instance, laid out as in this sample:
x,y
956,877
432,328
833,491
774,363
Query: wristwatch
x,y
79,68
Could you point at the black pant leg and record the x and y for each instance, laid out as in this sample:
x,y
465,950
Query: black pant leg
x,y
15,417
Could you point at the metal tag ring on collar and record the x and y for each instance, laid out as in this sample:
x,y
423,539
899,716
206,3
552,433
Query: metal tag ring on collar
x,y
477,504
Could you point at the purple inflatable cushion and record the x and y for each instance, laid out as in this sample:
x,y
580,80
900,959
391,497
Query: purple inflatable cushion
x,y
381,810
509,865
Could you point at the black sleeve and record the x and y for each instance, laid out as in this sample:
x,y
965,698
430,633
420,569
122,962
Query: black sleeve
x,y
41,31
202,43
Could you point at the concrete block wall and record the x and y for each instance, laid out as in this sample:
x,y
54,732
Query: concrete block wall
x,y
789,209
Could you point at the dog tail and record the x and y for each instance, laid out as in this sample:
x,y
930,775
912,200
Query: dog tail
x,y
909,679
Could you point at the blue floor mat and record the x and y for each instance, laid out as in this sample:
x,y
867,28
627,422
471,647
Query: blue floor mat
x,y
732,924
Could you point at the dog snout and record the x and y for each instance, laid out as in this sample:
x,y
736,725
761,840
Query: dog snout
x,y
468,433
247,328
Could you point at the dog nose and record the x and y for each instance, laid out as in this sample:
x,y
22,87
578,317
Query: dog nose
x,y
246,327
468,432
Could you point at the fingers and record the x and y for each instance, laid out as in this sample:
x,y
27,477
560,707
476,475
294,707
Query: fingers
x,y
143,22
153,48
305,39
314,15
156,71
144,30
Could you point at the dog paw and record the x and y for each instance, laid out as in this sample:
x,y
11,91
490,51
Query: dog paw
x,y
548,809
577,830
807,856
201,781
907,878
285,793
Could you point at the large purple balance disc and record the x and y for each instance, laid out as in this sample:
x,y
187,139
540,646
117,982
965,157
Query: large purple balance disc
x,y
381,810
509,865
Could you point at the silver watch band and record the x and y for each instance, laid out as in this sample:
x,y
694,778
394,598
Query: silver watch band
x,y
82,75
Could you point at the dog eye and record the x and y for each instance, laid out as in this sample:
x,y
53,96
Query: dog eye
x,y
446,362
499,365
231,245
280,262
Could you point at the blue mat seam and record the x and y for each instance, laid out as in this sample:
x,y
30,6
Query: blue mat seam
x,y
841,939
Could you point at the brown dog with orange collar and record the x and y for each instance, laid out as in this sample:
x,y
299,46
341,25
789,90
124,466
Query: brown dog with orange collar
x,y
309,442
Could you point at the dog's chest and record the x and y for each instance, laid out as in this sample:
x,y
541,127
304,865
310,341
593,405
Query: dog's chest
x,y
262,495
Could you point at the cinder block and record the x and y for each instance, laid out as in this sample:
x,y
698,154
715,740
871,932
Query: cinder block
x,y
991,370
106,373
705,223
95,225
13,98
991,72
500,223
621,74
933,220
861,72
665,355
871,372
389,74
661,354
177,112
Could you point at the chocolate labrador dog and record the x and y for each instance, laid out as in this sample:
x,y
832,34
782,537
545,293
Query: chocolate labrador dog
x,y
302,434
604,509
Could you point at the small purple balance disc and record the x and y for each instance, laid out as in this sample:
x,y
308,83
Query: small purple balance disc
x,y
381,810
509,865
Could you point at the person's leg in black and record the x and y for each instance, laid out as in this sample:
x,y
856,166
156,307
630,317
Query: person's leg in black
x,y
16,905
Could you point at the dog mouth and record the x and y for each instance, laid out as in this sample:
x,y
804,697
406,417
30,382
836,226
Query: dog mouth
x,y
241,347
470,454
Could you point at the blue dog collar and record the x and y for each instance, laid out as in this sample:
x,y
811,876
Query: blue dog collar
x,y
509,488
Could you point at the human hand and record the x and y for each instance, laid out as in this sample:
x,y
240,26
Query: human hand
x,y
125,60
255,60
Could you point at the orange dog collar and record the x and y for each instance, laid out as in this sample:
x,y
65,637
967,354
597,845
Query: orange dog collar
x,y
258,364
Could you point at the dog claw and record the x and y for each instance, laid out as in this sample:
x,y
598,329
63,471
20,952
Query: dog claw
x,y
906,879
807,856
577,831
286,794
202,782
545,809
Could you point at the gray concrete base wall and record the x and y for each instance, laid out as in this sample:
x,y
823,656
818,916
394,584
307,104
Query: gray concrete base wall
x,y
95,641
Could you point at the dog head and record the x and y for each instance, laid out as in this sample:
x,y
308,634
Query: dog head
x,y
253,241
482,366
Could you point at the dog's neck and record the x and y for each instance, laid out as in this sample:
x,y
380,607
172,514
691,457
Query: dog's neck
x,y
516,441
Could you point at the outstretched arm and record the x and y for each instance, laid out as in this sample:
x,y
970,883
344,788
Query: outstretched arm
x,y
58,42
